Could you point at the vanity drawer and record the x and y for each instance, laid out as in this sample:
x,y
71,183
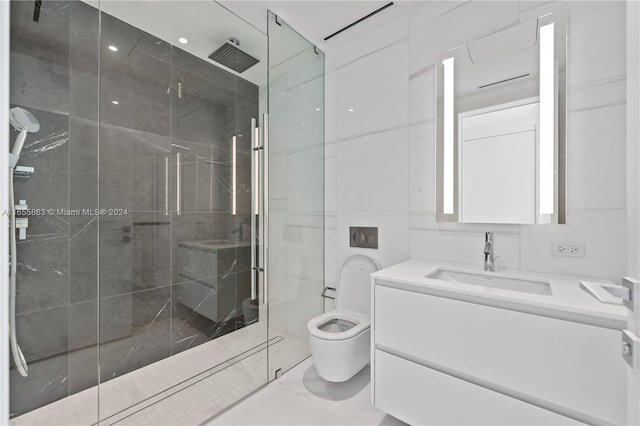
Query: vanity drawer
x,y
421,396
571,365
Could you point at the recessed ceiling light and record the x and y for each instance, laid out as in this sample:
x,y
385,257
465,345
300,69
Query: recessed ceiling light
x,y
183,40
317,109
351,109
113,48
115,102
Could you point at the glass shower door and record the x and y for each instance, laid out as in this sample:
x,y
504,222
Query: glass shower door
x,y
136,298
295,196
177,323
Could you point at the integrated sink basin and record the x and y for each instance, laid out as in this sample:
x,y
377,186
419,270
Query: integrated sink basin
x,y
491,280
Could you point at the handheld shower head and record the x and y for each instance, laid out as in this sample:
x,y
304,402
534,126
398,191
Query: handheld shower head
x,y
21,119
24,122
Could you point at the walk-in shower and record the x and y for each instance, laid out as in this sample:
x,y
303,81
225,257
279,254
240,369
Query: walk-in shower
x,y
175,210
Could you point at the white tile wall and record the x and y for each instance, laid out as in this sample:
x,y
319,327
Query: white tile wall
x,y
464,246
597,158
330,258
437,9
383,170
361,85
330,167
330,99
372,172
422,175
387,33
422,95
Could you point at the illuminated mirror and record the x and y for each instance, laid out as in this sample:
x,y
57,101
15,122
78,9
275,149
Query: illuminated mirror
x,y
500,126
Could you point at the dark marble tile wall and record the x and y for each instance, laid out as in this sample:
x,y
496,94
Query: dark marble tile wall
x,y
83,61
47,382
147,315
107,287
136,177
40,56
52,63
205,177
84,51
133,170
137,76
83,230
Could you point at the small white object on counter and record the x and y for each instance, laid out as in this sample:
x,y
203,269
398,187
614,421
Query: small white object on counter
x,y
605,293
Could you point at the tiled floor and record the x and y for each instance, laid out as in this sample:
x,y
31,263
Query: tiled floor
x,y
187,388
301,397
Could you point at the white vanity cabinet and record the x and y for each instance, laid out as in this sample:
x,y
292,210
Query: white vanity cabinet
x,y
458,358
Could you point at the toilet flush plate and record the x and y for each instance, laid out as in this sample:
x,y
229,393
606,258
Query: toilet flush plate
x,y
363,237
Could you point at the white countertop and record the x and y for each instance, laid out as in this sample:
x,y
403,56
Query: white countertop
x,y
567,301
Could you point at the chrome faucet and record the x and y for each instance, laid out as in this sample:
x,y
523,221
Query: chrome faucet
x,y
488,251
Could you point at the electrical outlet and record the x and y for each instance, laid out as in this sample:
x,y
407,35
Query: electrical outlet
x,y
568,249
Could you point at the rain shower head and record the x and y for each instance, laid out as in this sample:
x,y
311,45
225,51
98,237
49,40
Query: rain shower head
x,y
24,122
230,55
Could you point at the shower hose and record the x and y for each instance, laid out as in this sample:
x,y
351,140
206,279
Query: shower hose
x,y
18,357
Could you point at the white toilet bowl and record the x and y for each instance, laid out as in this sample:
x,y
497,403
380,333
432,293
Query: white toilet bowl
x,y
340,339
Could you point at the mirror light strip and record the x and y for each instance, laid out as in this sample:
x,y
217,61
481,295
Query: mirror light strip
x,y
547,118
233,175
448,136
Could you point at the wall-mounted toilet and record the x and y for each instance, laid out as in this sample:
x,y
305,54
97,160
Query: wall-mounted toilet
x,y
340,339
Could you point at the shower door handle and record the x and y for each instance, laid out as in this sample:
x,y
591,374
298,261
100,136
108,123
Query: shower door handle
x,y
265,207
178,183
255,209
260,207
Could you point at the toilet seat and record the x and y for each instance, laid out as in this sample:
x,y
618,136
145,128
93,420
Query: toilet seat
x,y
362,323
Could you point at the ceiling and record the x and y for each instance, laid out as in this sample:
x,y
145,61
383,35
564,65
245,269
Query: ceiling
x,y
192,19
313,19
208,24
